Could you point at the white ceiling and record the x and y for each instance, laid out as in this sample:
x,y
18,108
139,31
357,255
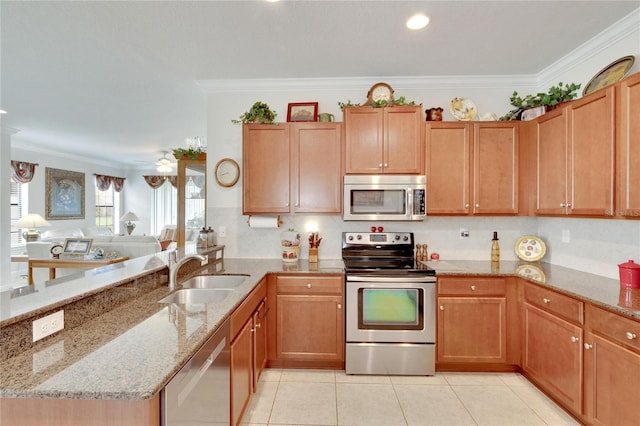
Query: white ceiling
x,y
100,79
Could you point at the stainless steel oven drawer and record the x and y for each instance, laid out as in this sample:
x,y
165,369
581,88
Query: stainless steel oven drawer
x,y
391,359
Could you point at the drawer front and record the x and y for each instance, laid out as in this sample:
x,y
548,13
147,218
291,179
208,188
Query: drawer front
x,y
469,286
556,303
244,312
327,284
615,327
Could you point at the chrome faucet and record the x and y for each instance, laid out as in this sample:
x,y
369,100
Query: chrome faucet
x,y
173,274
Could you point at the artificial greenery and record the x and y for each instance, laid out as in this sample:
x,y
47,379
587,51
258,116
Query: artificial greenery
x,y
554,96
379,104
259,113
192,153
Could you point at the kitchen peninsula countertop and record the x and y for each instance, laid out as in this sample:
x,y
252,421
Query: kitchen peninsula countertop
x,y
132,351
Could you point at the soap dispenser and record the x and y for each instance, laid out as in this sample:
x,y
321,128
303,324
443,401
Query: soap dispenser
x,y
495,248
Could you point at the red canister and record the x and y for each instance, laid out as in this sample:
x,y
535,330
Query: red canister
x,y
629,274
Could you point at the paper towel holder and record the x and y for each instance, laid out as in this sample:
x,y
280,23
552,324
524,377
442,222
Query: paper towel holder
x,y
278,221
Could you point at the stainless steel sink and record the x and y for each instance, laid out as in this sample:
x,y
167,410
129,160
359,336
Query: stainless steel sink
x,y
215,281
197,295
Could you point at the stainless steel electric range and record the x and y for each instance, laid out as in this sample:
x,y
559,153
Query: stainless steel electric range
x,y
390,306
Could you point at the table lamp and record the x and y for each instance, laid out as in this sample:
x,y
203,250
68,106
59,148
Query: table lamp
x,y
31,221
129,217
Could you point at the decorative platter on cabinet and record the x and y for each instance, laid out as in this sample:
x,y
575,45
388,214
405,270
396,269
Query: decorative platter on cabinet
x,y
530,248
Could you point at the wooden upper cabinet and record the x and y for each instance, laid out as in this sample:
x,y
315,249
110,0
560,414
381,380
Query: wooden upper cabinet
x,y
472,168
448,167
628,148
495,166
383,140
316,169
292,167
575,157
265,171
592,154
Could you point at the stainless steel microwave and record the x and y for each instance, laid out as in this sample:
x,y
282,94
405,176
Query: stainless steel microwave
x,y
385,197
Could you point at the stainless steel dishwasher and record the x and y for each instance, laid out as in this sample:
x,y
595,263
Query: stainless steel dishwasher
x,y
199,393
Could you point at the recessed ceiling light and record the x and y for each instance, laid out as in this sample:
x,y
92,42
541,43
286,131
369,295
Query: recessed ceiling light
x,y
417,21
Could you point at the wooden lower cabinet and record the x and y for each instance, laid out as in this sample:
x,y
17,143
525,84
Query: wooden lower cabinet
x,y
472,320
308,321
248,349
612,369
552,356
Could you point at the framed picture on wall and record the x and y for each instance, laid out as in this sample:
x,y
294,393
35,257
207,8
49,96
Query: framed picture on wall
x,y
64,194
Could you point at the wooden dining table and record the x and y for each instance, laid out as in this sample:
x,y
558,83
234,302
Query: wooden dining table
x,y
80,263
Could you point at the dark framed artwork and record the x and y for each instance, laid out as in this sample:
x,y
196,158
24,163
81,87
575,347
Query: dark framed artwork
x,y
302,111
64,197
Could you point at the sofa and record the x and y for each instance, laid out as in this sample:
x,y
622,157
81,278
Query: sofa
x,y
113,245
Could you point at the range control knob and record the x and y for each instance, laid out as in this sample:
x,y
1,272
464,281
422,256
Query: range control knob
x,y
397,237
405,238
359,236
350,238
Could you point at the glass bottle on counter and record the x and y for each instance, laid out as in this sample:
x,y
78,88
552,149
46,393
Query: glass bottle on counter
x,y
495,248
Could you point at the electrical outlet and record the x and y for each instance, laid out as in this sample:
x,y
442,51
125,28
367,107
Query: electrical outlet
x,y
222,231
566,236
464,233
48,325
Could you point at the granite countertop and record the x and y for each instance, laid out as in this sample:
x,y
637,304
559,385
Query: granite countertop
x,y
601,291
132,351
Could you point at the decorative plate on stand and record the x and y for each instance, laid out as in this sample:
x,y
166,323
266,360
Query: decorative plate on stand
x,y
463,109
530,248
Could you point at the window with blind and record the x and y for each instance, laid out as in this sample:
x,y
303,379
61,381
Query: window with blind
x,y
107,208
19,207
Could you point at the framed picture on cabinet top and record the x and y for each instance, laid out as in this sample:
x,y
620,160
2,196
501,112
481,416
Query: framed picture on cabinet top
x,y
302,111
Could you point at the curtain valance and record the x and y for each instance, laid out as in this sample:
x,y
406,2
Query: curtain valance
x,y
22,172
103,182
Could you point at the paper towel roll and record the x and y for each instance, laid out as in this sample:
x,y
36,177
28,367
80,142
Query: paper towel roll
x,y
264,221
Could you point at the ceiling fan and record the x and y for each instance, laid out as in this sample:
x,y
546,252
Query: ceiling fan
x,y
165,165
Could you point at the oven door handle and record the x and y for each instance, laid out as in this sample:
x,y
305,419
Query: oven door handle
x,y
390,279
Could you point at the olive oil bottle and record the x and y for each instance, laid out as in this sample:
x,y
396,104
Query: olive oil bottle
x,y
495,248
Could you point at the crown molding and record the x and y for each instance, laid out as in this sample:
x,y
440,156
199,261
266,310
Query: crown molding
x,y
620,30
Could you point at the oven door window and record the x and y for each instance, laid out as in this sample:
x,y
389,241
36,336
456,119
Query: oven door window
x,y
378,201
390,309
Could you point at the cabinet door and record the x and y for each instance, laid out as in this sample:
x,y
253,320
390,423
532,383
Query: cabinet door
x,y
259,342
552,137
628,147
612,374
472,329
553,356
403,143
592,154
310,327
495,168
241,372
265,174
363,139
316,167
448,165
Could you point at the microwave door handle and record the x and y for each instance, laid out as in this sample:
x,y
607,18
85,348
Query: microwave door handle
x,y
409,203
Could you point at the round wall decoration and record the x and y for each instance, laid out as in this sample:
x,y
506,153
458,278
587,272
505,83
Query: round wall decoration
x,y
611,74
227,172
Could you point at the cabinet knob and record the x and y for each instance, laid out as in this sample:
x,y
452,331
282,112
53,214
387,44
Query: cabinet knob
x,y
563,205
286,204
587,346
386,164
630,335
473,287
574,339
379,165
339,305
466,206
545,300
297,204
477,206
258,325
442,307
568,204
308,285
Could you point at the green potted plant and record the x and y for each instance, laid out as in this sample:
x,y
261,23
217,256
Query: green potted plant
x,y
259,113
554,97
192,153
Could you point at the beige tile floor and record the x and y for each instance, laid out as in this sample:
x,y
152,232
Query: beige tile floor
x,y
317,397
